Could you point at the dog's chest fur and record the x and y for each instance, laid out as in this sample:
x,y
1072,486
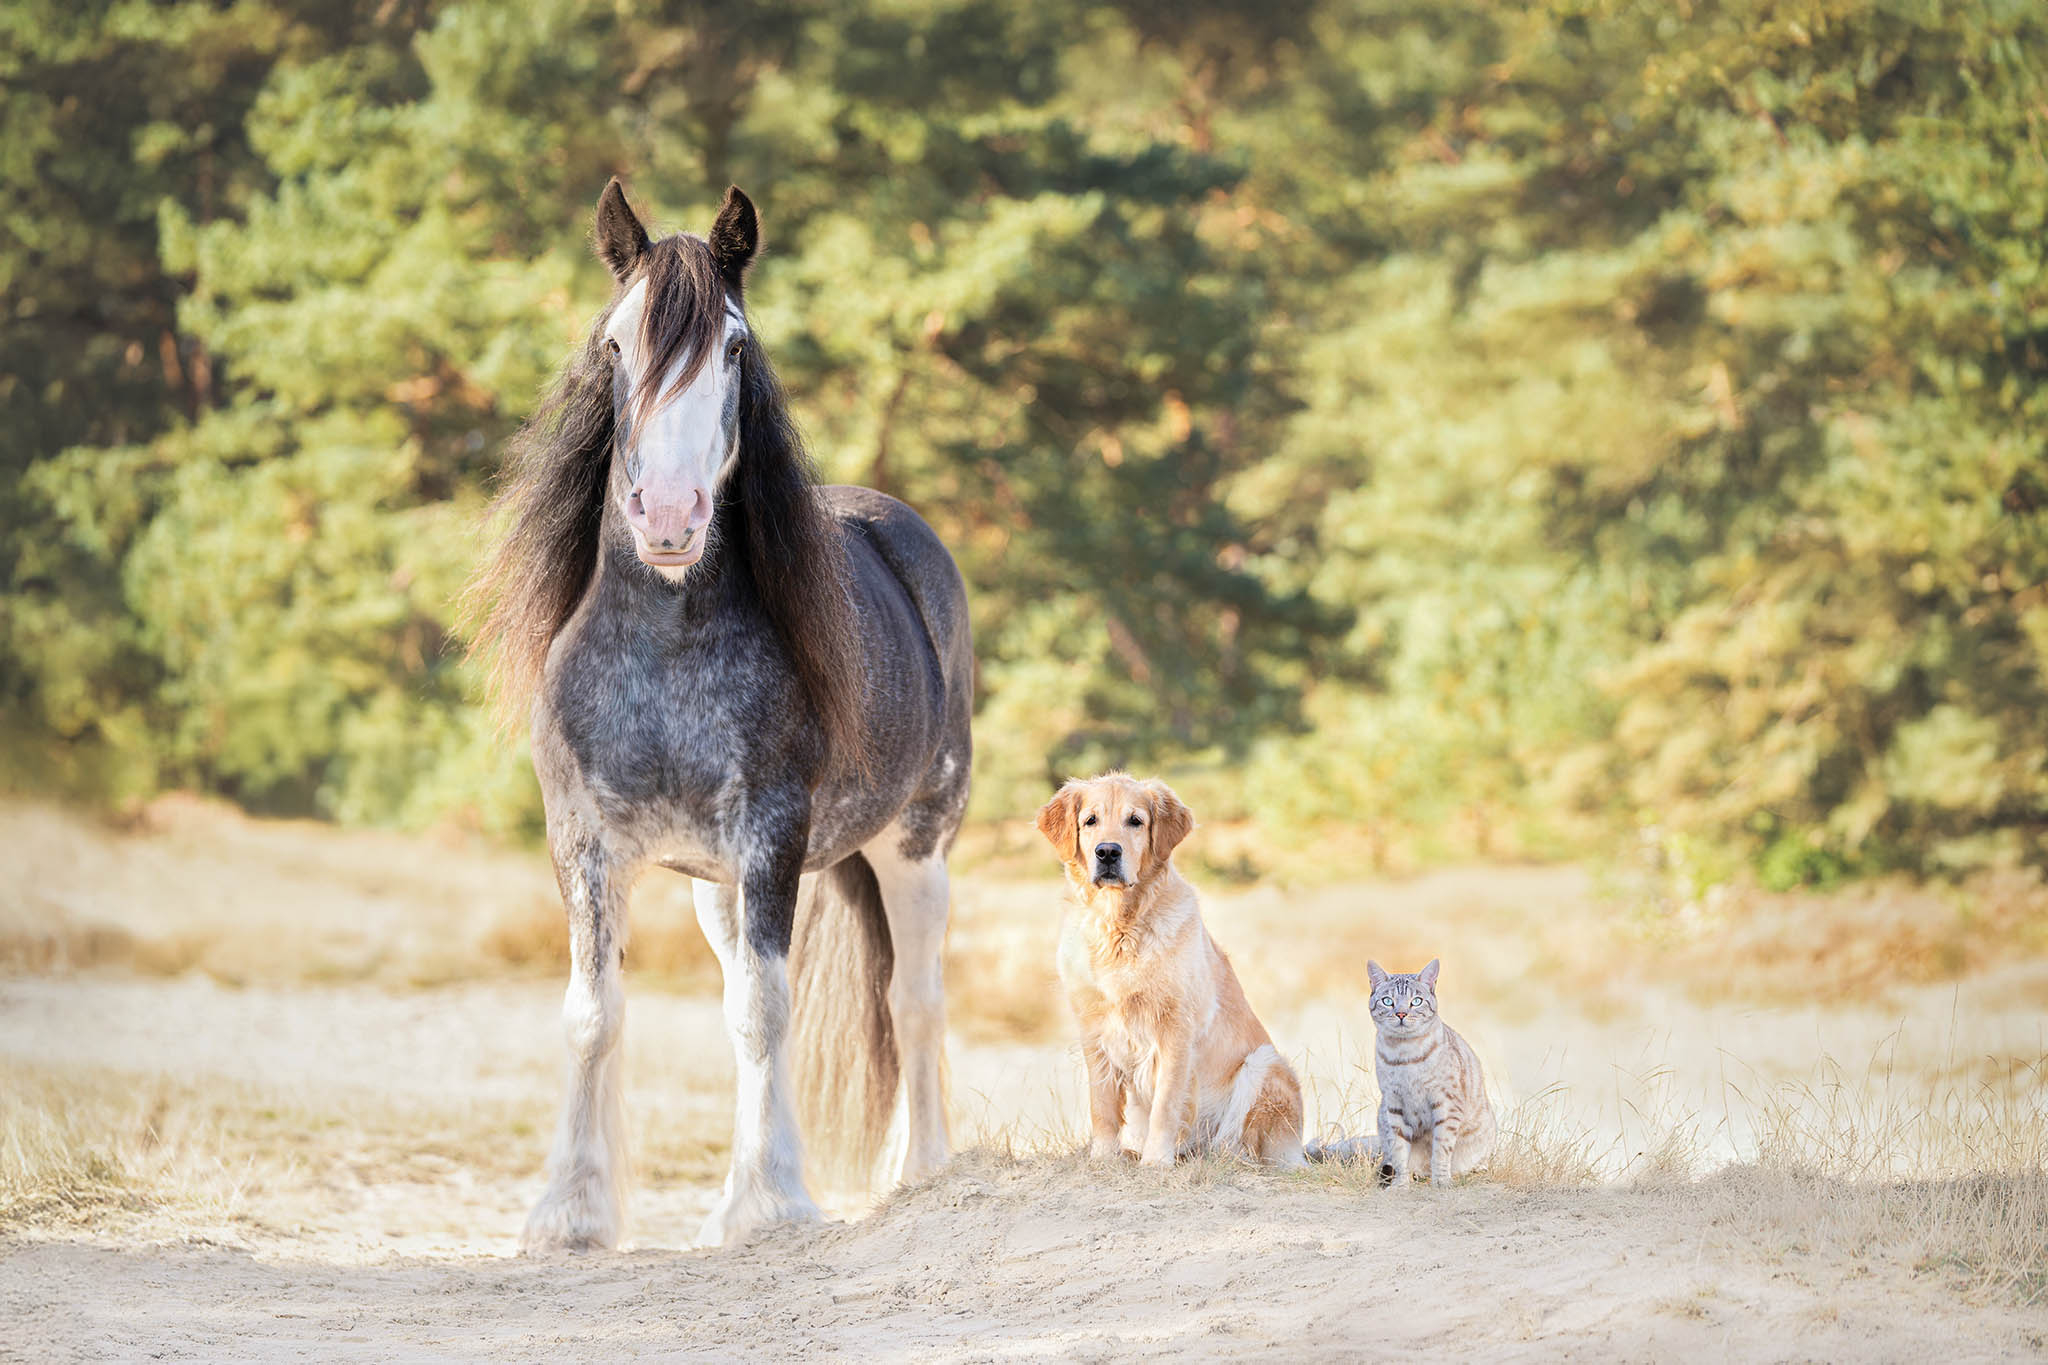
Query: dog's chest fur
x,y
1124,974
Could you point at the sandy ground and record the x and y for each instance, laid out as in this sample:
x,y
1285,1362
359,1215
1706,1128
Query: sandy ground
x,y
397,1241
222,1142
1039,1259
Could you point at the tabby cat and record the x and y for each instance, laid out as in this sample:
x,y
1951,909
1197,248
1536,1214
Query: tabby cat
x,y
1433,1104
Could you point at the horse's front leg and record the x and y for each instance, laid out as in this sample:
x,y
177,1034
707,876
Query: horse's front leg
x,y
583,1207
749,931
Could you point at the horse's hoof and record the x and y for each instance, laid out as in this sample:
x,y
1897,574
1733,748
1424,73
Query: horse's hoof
x,y
570,1220
1386,1176
739,1217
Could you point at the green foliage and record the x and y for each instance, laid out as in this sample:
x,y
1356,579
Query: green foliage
x,y
1431,416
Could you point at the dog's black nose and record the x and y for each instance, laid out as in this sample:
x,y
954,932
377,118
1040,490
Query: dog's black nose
x,y
1108,853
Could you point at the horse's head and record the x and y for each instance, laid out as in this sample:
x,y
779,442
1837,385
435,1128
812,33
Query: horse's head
x,y
677,338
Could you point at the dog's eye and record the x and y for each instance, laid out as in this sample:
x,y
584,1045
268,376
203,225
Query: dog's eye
x,y
1088,823
1133,821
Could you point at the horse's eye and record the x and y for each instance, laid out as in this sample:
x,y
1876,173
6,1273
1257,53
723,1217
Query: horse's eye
x,y
612,343
1089,822
732,352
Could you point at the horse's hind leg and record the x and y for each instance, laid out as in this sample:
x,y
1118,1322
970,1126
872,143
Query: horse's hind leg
x,y
912,876
583,1207
765,1183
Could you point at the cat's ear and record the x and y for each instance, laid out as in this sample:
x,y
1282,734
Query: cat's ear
x,y
1375,973
1057,820
1428,974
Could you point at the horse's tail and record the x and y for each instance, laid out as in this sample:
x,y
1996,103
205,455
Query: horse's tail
x,y
842,1045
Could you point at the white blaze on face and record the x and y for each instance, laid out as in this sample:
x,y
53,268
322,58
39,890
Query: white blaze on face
x,y
677,458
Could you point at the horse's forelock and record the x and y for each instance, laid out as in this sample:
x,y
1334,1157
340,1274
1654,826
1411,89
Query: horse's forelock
x,y
684,314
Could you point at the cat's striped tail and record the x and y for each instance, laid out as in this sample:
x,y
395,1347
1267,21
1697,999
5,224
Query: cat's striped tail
x,y
1345,1151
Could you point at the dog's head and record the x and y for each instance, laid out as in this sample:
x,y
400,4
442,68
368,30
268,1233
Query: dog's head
x,y
1114,831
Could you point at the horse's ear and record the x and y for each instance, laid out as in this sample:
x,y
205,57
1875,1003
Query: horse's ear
x,y
735,237
1056,820
621,241
1171,820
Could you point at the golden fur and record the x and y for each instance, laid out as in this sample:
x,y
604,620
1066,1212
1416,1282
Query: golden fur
x,y
1165,1026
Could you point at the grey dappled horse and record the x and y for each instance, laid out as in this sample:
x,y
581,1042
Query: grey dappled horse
x,y
747,678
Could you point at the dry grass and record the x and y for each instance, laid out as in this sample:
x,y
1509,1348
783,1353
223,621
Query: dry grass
x,y
195,886
1937,1171
1664,1060
192,886
105,1149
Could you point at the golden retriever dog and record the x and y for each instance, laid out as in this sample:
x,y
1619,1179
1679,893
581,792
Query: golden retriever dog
x,y
1171,1042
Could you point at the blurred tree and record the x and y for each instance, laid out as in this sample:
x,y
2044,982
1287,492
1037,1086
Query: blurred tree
x,y
1011,301
1692,396
951,243
108,111
1858,675
1441,414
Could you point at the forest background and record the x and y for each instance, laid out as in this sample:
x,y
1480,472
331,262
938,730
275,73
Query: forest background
x,y
1486,429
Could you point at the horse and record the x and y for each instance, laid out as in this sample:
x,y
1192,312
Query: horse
x,y
735,673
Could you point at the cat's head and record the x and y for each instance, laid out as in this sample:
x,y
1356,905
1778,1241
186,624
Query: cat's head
x,y
1403,1005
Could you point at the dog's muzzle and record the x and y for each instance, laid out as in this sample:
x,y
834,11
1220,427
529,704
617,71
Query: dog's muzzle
x,y
1109,865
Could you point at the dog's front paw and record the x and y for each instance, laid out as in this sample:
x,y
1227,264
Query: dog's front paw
x,y
1162,1161
1105,1149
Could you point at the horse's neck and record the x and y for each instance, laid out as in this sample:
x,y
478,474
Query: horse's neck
x,y
719,584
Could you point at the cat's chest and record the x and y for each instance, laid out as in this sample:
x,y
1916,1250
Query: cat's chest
x,y
1412,1088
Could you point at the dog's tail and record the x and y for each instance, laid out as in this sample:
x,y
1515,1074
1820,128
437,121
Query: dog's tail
x,y
842,1043
1245,1089
1345,1151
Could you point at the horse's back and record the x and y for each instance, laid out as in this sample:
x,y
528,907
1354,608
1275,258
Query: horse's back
x,y
913,553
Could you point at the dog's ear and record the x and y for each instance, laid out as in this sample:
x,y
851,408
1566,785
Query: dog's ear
x,y
1057,820
1428,974
1374,973
1171,821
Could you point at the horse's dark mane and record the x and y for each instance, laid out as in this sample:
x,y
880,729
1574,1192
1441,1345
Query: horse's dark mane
x,y
780,529
771,522
547,514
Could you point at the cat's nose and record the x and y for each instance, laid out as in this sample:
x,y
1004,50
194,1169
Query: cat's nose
x,y
1400,1014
